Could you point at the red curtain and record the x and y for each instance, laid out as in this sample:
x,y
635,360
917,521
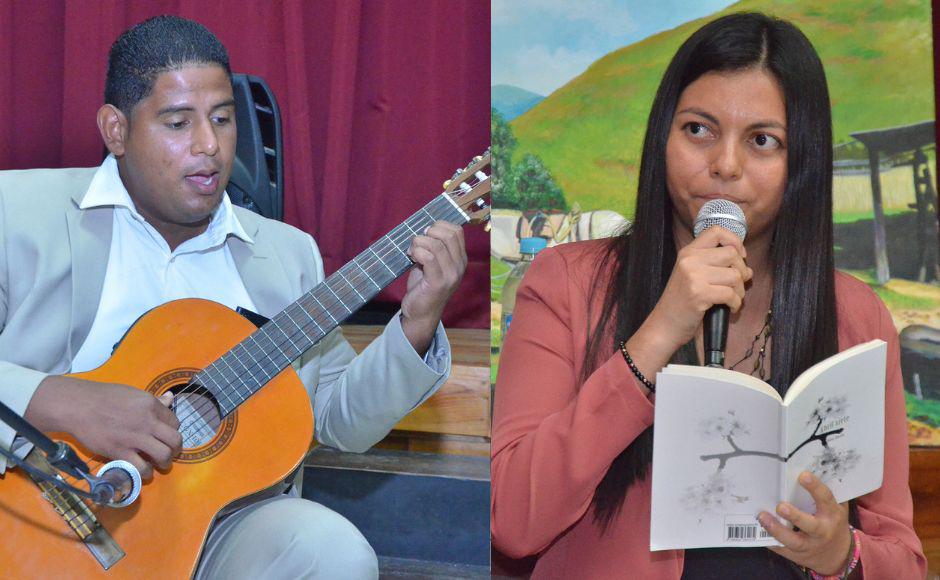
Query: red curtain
x,y
381,102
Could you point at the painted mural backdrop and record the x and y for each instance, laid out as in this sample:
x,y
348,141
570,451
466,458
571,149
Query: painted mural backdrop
x,y
572,85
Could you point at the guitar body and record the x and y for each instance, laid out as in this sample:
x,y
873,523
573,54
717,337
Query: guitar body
x,y
162,533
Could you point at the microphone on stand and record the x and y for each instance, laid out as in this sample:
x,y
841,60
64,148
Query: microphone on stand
x,y
725,214
117,484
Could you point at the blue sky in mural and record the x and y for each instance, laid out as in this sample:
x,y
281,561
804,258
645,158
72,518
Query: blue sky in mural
x,y
539,45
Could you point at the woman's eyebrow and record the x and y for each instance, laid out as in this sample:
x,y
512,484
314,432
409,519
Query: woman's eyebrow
x,y
768,124
761,124
700,113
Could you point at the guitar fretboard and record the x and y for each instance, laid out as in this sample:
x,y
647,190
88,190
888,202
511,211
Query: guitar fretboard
x,y
242,371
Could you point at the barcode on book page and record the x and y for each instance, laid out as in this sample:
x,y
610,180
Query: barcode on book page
x,y
744,528
745,532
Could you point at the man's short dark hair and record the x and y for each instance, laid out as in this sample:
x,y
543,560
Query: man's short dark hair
x,y
154,46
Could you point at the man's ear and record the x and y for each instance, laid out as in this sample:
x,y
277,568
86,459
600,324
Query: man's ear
x,y
113,126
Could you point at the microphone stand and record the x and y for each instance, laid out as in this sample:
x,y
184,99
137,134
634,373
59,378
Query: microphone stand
x,y
58,454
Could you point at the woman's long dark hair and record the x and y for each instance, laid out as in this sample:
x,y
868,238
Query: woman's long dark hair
x,y
641,260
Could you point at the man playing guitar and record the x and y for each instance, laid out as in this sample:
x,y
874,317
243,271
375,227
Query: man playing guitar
x,y
153,223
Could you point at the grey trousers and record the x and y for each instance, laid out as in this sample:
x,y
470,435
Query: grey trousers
x,y
286,537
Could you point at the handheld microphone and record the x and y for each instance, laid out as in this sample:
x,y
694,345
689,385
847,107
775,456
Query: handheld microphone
x,y
725,214
117,484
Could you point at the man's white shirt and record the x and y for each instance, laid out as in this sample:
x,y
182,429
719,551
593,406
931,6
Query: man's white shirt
x,y
144,273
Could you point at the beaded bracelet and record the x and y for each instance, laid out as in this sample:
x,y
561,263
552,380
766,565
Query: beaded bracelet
x,y
633,367
856,548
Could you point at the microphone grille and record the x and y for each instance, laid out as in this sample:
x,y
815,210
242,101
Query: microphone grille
x,y
722,213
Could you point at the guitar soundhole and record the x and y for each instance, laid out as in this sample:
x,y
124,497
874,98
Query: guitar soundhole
x,y
198,414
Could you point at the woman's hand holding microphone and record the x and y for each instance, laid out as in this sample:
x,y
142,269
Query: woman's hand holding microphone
x,y
710,270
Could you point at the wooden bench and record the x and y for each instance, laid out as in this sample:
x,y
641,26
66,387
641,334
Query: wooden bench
x,y
925,490
457,418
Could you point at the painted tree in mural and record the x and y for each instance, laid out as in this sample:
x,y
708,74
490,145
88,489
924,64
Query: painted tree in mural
x,y
502,145
526,185
534,186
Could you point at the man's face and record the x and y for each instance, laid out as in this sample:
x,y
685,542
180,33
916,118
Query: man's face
x,y
179,147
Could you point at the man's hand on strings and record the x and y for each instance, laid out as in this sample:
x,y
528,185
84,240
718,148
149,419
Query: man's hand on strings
x,y
440,256
116,421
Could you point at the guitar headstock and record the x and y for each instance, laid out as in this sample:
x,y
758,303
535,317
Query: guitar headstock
x,y
469,187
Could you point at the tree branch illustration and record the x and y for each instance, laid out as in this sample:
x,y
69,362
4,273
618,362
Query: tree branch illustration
x,y
817,436
736,451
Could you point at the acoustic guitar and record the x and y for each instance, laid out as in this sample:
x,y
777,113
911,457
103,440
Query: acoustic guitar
x,y
235,392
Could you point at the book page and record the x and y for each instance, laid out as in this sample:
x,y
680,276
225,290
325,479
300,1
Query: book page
x,y
727,375
716,461
834,427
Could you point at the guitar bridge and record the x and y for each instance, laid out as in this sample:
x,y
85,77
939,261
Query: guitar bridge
x,y
76,514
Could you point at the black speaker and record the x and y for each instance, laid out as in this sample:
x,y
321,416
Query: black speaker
x,y
257,181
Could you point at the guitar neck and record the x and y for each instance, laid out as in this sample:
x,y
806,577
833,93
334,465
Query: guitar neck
x,y
253,362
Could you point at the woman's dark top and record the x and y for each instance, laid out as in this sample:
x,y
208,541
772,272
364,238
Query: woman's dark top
x,y
728,563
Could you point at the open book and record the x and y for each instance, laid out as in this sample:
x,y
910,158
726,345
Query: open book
x,y
726,447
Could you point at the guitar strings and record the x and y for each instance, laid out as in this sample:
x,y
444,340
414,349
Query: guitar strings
x,y
398,236
259,366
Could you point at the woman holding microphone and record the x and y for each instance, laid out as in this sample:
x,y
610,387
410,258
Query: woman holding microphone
x,y
742,114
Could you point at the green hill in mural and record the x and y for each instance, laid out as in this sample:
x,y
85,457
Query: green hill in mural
x,y
589,132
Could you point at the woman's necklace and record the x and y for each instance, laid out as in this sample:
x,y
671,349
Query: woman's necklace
x,y
762,354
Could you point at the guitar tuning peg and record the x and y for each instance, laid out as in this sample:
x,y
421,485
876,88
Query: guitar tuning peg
x,y
488,226
446,184
477,158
